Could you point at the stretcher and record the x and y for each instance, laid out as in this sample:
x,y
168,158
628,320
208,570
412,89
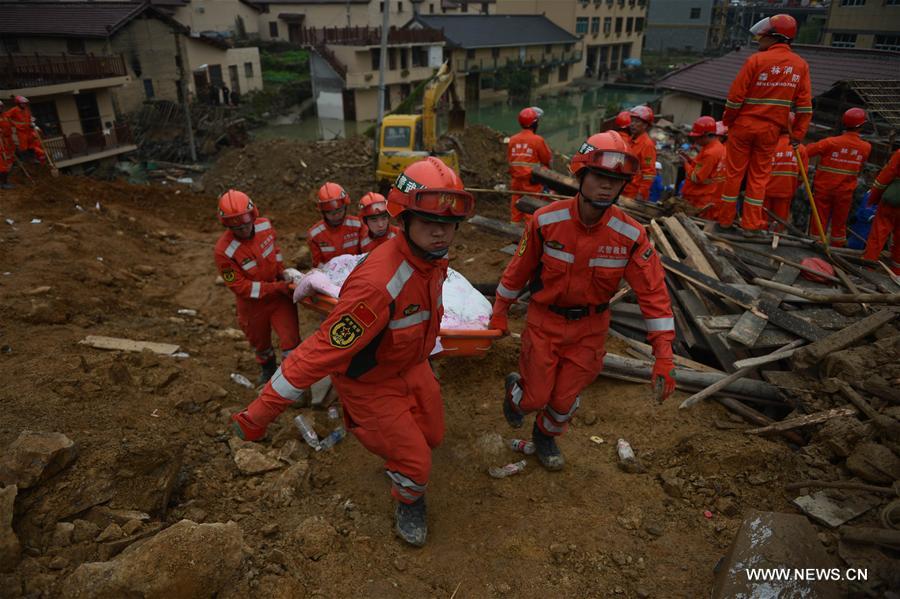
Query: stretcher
x,y
455,343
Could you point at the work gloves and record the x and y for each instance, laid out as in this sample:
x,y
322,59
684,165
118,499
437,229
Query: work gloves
x,y
663,378
500,321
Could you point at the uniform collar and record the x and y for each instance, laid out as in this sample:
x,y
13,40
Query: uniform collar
x,y
420,264
607,214
853,133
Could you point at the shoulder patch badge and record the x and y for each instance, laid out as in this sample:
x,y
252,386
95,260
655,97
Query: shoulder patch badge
x,y
228,276
345,332
523,245
411,309
556,245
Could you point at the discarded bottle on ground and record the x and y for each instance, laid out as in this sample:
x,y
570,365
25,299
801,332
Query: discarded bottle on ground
x,y
241,380
627,460
333,438
521,446
307,431
333,413
507,470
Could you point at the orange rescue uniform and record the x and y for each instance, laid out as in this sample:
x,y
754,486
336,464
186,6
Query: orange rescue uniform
x,y
252,270
784,179
768,86
375,345
644,150
700,186
326,242
572,269
887,219
841,159
367,243
526,149
20,118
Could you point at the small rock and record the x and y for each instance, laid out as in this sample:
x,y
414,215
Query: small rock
x,y
672,484
131,527
102,516
10,549
400,564
62,534
113,532
503,588
874,463
83,530
34,457
316,537
250,461
642,593
195,514
40,290
727,507
269,530
58,563
558,551
589,417
290,483
144,269
490,446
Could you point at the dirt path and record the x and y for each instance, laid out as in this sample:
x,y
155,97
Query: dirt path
x,y
590,531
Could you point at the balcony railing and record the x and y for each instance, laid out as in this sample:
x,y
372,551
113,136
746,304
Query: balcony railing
x,y
18,71
76,145
365,36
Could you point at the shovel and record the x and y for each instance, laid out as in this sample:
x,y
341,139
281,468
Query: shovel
x,y
54,172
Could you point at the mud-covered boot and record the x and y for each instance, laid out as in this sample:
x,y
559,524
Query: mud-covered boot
x,y
512,416
410,524
547,452
267,371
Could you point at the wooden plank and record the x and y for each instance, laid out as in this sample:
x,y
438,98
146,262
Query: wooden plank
x,y
662,242
692,306
801,421
830,297
509,230
556,181
529,204
648,351
693,256
723,268
767,359
750,326
117,343
842,339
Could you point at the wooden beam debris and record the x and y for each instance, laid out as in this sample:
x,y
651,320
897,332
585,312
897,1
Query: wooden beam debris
x,y
816,352
831,297
801,421
116,343
508,230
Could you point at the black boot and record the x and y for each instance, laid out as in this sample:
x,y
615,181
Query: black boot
x,y
512,416
547,452
267,370
410,524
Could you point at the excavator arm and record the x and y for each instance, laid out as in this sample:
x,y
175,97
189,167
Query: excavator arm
x,y
435,89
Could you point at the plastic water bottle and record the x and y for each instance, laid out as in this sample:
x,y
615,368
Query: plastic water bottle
x,y
241,380
333,438
521,446
507,470
307,431
333,412
627,460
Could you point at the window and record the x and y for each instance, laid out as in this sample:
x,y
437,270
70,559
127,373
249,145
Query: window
x,y
465,7
148,89
892,2
404,58
396,137
495,53
419,56
273,29
563,73
381,7
470,54
400,6
695,12
595,25
639,24
487,83
10,45
544,76
853,2
607,25
376,58
629,24
248,70
581,25
75,46
619,21
431,8
887,42
843,40
215,74
484,8
392,59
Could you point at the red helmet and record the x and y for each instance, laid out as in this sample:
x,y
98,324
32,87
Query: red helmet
x,y
645,113
432,190
607,153
372,204
331,196
705,125
855,117
819,265
781,26
529,116
623,119
236,209
721,128
21,100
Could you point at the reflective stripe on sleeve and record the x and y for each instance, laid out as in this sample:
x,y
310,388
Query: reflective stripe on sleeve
x,y
232,248
411,320
349,244
316,230
660,324
255,288
401,276
624,228
249,265
557,216
506,292
263,226
283,387
268,251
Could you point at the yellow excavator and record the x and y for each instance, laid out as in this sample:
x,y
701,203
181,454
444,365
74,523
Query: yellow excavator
x,y
407,138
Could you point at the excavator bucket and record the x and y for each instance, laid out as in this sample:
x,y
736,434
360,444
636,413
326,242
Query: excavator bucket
x,y
457,119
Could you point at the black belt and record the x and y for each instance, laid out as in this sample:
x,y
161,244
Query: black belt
x,y
578,312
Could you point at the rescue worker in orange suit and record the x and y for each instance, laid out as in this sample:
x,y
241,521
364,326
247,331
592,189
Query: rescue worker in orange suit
x,y
376,342
250,262
622,126
20,117
7,151
841,159
887,219
337,233
572,257
377,227
784,179
722,134
6,129
526,149
644,149
759,102
700,184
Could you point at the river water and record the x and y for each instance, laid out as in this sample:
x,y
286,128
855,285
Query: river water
x,y
569,117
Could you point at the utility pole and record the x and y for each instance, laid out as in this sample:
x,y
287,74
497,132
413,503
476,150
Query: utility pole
x,y
382,62
182,85
348,16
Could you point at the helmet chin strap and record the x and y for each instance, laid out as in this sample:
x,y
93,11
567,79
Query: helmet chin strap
x,y
595,203
430,256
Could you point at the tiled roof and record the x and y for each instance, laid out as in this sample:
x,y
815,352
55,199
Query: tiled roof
x,y
490,31
69,19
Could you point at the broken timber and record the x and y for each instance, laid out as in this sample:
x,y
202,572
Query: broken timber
x,y
116,343
801,421
750,325
815,352
821,297
509,230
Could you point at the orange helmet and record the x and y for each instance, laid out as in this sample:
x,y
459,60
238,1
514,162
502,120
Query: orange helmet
x,y
236,209
855,117
645,113
331,196
705,125
623,119
430,188
21,100
530,116
607,153
780,26
372,204
721,128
